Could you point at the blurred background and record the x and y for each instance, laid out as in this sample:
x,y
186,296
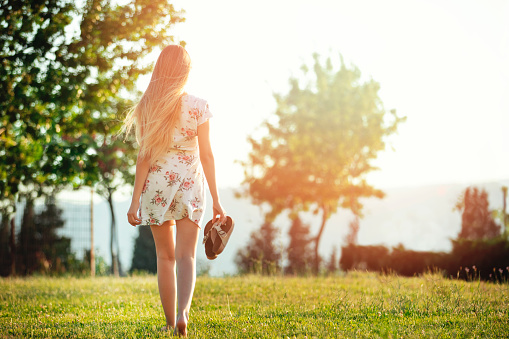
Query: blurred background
x,y
341,131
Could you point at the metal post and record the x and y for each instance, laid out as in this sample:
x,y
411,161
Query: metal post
x,y
92,254
13,247
505,219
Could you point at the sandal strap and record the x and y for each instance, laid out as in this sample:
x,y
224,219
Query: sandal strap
x,y
219,230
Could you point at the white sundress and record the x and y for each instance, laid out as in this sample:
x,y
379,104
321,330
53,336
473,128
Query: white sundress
x,y
174,188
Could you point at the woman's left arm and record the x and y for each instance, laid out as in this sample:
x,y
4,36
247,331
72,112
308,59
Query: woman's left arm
x,y
142,166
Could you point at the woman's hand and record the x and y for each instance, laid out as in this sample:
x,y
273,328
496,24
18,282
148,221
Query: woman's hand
x,y
134,214
219,213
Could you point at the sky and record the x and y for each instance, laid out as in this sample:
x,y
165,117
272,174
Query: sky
x,y
442,64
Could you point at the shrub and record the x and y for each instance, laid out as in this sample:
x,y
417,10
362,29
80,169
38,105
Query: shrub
x,y
484,259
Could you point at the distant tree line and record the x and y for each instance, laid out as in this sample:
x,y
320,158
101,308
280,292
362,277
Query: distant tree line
x,y
265,254
469,259
39,247
480,251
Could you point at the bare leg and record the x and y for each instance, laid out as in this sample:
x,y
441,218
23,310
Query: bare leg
x,y
185,254
166,280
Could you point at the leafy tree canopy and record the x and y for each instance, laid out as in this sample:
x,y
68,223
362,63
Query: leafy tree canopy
x,y
66,71
329,129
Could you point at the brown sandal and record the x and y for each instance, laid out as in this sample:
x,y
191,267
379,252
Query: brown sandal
x,y
223,233
216,237
207,240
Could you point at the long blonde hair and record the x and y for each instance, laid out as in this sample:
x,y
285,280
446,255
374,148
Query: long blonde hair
x,y
158,110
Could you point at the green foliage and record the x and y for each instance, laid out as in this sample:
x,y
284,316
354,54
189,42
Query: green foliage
x,y
358,305
261,255
328,131
101,267
116,168
36,96
68,71
476,219
144,253
64,69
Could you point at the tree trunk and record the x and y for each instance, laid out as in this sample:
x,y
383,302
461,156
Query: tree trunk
x,y
13,248
117,244
325,217
28,243
113,238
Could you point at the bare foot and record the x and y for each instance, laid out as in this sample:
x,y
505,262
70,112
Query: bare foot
x,y
181,327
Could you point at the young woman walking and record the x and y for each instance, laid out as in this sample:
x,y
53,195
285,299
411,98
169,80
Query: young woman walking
x,y
172,130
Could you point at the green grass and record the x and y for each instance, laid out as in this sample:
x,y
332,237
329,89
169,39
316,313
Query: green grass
x,y
358,305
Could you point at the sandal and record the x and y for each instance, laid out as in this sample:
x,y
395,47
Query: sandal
x,y
223,233
216,237
207,240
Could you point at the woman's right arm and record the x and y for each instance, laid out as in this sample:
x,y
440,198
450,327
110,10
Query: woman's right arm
x,y
207,162
142,166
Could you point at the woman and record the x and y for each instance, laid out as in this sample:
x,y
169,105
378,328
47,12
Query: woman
x,y
172,130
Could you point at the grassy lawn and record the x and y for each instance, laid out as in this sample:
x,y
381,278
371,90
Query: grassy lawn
x,y
363,305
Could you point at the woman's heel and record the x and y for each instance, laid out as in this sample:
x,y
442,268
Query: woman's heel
x,y
181,327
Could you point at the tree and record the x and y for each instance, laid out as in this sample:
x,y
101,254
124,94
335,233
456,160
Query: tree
x,y
54,249
115,164
503,212
67,70
505,216
299,253
144,254
317,154
40,78
353,231
5,254
261,254
332,264
501,215
40,246
27,241
476,219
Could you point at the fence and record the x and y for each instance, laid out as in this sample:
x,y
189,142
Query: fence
x,y
51,235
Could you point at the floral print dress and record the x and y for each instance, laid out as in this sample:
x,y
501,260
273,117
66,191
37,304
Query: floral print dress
x,y
174,188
